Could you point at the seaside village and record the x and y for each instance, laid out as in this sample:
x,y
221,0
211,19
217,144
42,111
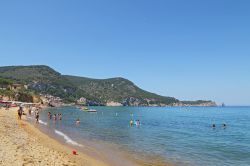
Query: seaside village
x,y
19,96
16,95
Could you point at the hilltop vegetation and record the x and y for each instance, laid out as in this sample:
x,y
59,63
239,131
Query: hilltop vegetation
x,y
21,94
43,79
118,90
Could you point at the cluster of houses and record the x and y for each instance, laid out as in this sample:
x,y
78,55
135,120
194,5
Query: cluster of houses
x,y
50,100
82,101
13,87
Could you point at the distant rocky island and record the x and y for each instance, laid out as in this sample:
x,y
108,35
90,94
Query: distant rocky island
x,y
33,83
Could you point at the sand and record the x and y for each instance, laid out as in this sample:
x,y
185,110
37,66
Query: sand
x,y
23,144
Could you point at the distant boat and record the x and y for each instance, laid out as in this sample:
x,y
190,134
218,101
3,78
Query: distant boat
x,y
223,105
91,111
84,108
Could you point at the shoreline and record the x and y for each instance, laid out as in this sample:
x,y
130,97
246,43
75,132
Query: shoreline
x,y
113,154
23,144
32,145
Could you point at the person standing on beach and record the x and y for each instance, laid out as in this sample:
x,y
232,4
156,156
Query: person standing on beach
x,y
33,109
7,106
30,110
20,112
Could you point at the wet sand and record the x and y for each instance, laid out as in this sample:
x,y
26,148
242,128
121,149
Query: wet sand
x,y
23,144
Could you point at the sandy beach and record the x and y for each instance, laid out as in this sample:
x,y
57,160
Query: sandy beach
x,y
23,144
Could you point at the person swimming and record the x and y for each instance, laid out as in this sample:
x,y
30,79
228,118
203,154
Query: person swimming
x,y
213,126
138,123
78,121
224,125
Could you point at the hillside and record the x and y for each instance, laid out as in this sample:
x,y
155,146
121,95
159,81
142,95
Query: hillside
x,y
118,90
43,79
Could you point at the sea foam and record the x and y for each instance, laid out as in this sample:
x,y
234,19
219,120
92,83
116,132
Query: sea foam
x,y
42,122
68,140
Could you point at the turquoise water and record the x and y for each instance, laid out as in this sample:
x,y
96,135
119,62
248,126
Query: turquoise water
x,y
181,135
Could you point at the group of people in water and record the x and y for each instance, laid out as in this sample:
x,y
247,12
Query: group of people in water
x,y
20,112
135,122
58,116
55,117
223,125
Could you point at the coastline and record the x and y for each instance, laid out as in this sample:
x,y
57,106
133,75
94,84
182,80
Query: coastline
x,y
111,153
23,144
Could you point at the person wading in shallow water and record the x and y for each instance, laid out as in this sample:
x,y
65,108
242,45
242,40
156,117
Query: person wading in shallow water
x,y
49,115
54,117
60,116
37,116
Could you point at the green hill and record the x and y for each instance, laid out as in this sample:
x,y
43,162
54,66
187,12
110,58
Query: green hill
x,y
45,80
118,90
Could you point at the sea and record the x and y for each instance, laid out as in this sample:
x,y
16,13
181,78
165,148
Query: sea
x,y
176,135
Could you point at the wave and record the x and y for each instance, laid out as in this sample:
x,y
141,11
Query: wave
x,y
40,121
68,140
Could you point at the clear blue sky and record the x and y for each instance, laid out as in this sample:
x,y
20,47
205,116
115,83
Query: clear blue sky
x,y
189,49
